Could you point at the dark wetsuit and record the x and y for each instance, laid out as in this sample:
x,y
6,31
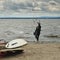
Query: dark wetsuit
x,y
37,31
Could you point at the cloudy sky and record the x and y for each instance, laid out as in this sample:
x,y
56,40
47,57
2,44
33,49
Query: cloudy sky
x,y
29,7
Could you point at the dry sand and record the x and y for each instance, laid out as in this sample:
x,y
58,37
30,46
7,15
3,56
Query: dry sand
x,y
38,51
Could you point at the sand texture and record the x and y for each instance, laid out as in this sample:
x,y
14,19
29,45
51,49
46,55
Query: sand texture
x,y
38,51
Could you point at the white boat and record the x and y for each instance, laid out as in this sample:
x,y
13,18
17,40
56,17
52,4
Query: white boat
x,y
16,43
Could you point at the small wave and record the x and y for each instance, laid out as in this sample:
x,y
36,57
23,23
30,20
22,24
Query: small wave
x,y
52,36
23,36
9,32
21,32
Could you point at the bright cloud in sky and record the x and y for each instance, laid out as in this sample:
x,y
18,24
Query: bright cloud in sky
x,y
11,7
53,6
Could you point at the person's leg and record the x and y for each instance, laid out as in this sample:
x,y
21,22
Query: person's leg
x,y
37,38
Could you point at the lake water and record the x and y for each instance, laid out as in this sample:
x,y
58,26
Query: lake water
x,y
23,28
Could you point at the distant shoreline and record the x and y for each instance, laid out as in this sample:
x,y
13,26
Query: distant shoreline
x,y
46,17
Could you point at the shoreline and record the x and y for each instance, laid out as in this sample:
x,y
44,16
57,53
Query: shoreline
x,y
43,42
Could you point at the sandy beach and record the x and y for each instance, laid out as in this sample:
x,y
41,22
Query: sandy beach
x,y
38,51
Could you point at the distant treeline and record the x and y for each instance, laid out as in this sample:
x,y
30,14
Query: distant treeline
x,y
58,17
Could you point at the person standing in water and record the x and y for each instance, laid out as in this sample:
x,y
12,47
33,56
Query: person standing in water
x,y
37,31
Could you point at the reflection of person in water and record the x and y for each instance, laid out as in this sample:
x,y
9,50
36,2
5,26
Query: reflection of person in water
x,y
37,31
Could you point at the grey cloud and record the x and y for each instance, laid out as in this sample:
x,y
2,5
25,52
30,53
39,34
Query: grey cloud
x,y
51,6
53,3
43,5
9,5
25,5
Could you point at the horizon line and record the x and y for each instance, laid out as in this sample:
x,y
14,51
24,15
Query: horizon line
x,y
31,17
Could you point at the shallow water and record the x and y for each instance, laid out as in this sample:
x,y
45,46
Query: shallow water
x,y
24,28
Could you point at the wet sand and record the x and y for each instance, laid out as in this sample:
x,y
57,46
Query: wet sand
x,y
38,51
